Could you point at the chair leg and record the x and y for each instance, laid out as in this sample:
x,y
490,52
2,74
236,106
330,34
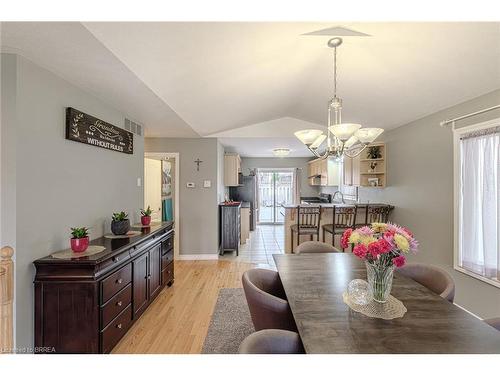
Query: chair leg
x,y
311,236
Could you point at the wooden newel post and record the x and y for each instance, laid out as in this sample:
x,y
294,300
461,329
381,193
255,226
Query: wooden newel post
x,y
6,299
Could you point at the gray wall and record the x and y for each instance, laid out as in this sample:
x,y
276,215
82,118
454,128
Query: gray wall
x,y
221,189
60,183
420,185
305,189
198,214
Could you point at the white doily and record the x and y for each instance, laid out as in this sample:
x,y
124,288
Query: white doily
x,y
391,309
70,254
131,233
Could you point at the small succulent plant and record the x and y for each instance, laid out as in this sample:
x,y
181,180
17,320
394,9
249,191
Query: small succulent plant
x,y
79,232
120,216
147,212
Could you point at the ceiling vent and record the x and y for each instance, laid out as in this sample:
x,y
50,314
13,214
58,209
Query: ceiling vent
x,y
133,127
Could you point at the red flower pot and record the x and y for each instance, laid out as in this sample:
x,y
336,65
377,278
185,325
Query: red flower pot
x,y
145,220
79,245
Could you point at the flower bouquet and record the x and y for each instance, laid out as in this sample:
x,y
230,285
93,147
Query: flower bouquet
x,y
383,247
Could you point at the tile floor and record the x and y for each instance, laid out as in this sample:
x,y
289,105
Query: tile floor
x,y
264,241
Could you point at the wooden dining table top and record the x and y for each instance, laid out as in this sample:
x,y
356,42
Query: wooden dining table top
x,y
314,284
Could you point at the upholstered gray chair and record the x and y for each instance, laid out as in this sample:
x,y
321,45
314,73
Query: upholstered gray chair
x,y
431,277
272,341
315,247
494,322
266,300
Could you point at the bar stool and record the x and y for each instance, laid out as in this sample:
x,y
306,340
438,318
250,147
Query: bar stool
x,y
343,218
308,221
377,213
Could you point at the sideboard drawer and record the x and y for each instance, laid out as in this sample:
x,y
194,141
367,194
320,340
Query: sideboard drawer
x,y
116,305
167,244
116,282
167,274
116,329
167,259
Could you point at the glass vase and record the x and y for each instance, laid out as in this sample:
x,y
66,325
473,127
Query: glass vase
x,y
379,280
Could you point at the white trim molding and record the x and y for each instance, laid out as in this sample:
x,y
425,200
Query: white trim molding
x,y
198,257
456,192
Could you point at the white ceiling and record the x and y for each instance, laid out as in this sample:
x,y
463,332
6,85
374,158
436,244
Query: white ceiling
x,y
266,79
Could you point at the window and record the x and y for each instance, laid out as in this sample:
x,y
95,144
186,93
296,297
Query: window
x,y
477,201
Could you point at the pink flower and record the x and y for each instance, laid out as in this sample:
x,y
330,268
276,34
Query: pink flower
x,y
360,250
408,232
365,231
344,241
383,246
399,261
374,249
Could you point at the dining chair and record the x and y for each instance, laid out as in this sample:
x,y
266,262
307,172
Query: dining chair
x,y
308,222
266,300
272,341
309,247
343,218
431,277
494,322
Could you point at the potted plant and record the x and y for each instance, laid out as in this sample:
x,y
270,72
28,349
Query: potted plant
x,y
383,247
79,239
374,152
120,224
146,216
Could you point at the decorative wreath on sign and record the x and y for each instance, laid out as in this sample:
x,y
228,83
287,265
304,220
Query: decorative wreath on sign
x,y
74,126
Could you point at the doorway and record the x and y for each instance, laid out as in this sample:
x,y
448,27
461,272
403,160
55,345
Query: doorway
x,y
276,189
161,189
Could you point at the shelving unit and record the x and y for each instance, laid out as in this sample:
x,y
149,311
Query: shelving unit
x,y
379,171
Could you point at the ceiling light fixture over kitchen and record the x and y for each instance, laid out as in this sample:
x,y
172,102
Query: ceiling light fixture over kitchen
x,y
342,138
281,152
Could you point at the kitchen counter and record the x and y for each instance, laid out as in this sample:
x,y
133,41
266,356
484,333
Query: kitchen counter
x,y
337,204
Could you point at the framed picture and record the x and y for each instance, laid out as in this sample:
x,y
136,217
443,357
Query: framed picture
x,y
373,181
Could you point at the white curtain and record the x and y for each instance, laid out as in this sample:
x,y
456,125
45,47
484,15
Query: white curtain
x,y
479,227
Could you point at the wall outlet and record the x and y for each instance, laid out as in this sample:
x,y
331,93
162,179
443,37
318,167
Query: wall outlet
x,y
207,183
190,185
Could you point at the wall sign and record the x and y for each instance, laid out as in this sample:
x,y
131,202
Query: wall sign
x,y
84,128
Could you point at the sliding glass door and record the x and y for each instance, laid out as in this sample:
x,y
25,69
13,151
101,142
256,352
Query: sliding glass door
x,y
276,189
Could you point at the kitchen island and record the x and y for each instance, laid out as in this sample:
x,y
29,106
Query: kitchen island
x,y
326,218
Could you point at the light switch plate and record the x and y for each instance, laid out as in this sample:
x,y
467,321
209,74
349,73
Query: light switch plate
x,y
190,185
207,183
138,182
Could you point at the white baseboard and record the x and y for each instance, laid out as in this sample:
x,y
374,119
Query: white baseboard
x,y
198,257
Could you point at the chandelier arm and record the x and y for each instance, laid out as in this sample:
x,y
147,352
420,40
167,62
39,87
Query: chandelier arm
x,y
317,154
357,153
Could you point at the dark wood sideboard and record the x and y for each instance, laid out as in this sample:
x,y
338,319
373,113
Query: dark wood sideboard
x,y
86,305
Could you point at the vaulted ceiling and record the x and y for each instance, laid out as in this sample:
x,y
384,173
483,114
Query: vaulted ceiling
x,y
266,79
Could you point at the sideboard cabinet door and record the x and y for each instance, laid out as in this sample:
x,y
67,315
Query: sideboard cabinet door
x,y
140,284
154,271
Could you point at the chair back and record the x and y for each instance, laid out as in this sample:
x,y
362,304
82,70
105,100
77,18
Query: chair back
x,y
310,247
308,217
344,217
266,300
272,341
432,277
377,214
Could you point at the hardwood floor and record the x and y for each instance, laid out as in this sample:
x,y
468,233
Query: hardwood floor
x,y
177,321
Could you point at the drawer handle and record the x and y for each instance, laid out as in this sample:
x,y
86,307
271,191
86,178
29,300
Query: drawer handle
x,y
149,277
119,326
115,259
119,303
119,281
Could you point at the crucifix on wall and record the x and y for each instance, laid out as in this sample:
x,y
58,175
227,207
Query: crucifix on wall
x,y
198,162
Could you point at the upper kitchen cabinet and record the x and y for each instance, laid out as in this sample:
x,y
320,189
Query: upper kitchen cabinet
x,y
368,169
232,169
324,172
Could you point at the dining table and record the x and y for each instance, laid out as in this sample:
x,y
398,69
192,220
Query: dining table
x,y
314,285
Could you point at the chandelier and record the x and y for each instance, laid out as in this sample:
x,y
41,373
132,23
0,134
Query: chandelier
x,y
341,138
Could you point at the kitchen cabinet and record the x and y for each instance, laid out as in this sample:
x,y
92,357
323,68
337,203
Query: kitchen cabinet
x,y
232,169
324,172
229,227
244,224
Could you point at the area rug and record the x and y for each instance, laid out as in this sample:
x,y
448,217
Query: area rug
x,y
230,324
